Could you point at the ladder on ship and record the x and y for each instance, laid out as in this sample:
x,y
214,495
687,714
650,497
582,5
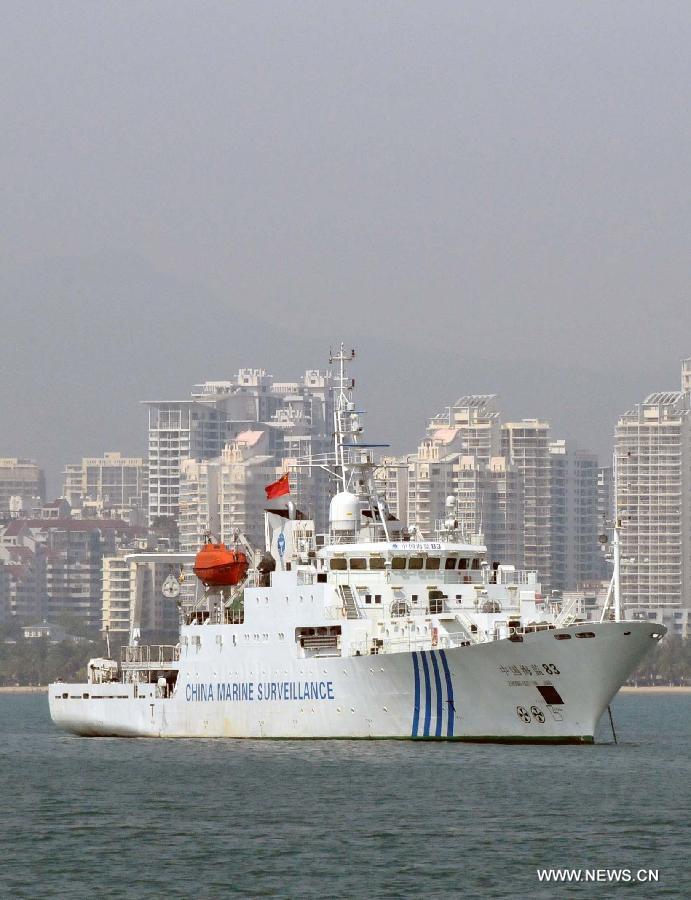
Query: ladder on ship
x,y
349,604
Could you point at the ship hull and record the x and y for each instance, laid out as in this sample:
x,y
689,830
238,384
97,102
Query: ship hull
x,y
541,690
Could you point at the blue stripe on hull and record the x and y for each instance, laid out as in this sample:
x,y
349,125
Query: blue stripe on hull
x,y
449,694
437,684
416,706
428,695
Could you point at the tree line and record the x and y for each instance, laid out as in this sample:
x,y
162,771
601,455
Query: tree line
x,y
668,663
38,661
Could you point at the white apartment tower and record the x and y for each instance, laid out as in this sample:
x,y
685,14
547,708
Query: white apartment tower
x,y
128,581
460,458
178,429
199,503
526,445
653,500
391,479
226,495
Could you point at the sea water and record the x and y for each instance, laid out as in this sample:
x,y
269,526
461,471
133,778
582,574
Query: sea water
x,y
105,817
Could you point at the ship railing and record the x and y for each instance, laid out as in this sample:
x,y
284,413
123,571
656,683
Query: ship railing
x,y
343,539
510,576
150,655
234,616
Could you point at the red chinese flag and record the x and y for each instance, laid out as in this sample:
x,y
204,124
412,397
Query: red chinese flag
x,y
278,488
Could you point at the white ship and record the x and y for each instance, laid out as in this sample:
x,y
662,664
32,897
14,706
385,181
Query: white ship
x,y
366,632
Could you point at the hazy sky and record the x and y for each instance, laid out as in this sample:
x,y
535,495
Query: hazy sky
x,y
481,196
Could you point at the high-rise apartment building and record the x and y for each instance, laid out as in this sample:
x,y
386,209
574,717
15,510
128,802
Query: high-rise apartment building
x,y
458,469
526,445
468,428
245,470
296,416
22,486
118,589
653,500
22,573
502,512
200,513
391,480
111,484
136,580
605,517
471,424
184,429
226,495
574,548
53,565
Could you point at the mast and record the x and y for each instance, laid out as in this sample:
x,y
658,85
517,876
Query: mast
x,y
614,589
616,574
344,415
353,459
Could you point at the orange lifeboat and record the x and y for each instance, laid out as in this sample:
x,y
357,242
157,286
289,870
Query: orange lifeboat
x,y
218,566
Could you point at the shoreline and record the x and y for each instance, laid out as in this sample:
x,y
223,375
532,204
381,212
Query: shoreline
x,y
656,689
24,689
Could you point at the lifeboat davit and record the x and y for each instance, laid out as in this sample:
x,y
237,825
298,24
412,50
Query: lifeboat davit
x,y
218,566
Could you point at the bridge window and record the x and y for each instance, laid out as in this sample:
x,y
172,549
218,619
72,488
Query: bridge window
x,y
376,562
432,562
415,562
358,563
338,564
398,562
463,563
450,562
476,563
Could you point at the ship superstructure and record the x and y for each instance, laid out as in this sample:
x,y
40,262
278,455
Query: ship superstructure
x,y
366,632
